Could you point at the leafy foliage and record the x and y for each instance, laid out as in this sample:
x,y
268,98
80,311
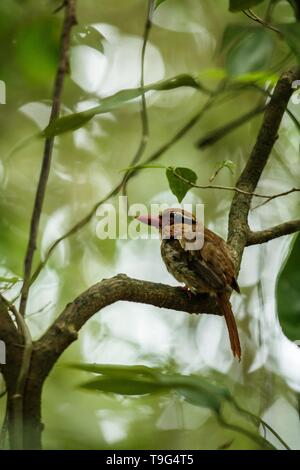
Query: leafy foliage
x,y
158,2
196,390
77,120
292,35
249,49
288,294
181,180
229,164
139,380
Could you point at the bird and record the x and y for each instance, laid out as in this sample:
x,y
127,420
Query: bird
x,y
200,259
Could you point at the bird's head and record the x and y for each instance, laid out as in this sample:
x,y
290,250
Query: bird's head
x,y
172,223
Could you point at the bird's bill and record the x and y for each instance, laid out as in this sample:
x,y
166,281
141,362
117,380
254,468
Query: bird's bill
x,y
149,220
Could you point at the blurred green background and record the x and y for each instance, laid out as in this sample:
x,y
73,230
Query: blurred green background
x,y
187,37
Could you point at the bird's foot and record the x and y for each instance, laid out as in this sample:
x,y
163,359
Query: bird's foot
x,y
187,291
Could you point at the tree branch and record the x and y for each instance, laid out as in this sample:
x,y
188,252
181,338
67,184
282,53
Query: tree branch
x,y
237,190
253,16
63,65
144,111
17,397
276,196
217,134
263,236
65,329
238,228
13,341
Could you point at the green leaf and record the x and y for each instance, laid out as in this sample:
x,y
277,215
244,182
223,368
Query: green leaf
x,y
88,35
71,122
252,53
77,120
123,386
238,5
291,33
9,280
288,288
230,165
116,369
158,2
141,380
213,74
199,392
260,78
233,34
181,180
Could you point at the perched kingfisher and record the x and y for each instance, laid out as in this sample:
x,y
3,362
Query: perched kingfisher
x,y
200,259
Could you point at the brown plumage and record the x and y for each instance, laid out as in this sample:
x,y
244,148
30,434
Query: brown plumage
x,y
208,268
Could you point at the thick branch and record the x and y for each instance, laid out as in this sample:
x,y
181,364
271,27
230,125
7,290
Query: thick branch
x,y
14,353
264,236
69,22
238,218
65,329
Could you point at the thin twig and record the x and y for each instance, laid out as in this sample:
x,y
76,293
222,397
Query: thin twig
x,y
144,112
263,236
218,134
235,189
275,196
239,429
260,421
74,229
253,16
60,7
63,66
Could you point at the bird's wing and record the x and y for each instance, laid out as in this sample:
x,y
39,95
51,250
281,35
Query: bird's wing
x,y
204,262
213,262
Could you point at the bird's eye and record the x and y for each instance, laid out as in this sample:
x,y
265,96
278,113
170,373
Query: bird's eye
x,y
178,219
188,221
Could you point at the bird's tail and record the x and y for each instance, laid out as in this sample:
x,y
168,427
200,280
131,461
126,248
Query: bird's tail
x,y
226,310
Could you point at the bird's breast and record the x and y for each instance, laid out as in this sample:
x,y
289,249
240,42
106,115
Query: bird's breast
x,y
176,260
